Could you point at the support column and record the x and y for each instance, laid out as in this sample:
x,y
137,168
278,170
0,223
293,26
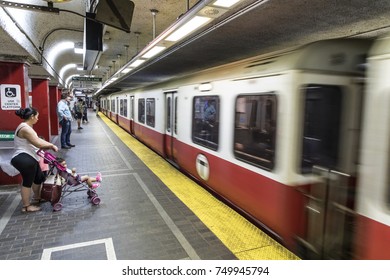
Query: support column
x,y
13,96
54,98
40,101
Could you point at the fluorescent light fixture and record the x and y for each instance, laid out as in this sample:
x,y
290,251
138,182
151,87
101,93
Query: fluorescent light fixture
x,y
126,70
187,28
78,51
136,63
154,51
66,68
69,79
80,68
58,49
225,3
113,79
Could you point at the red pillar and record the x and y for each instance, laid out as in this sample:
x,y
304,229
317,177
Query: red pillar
x,y
15,75
12,75
54,98
40,101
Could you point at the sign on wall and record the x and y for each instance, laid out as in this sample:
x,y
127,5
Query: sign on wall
x,y
86,82
10,96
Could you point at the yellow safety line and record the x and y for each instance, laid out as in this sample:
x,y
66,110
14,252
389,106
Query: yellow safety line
x,y
242,238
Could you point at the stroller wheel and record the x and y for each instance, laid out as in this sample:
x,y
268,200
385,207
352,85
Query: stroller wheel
x,y
95,200
91,194
57,207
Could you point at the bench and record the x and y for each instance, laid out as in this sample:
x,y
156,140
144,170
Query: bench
x,y
6,151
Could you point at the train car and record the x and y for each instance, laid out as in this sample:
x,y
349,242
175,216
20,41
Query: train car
x,y
277,137
373,193
104,105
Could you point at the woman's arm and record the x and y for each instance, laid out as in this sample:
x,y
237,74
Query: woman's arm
x,y
35,140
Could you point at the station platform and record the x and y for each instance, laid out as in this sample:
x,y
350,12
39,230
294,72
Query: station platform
x,y
148,211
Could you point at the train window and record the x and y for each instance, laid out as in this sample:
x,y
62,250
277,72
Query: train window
x,y
121,107
321,128
132,107
113,106
141,110
168,120
205,123
125,107
150,111
255,129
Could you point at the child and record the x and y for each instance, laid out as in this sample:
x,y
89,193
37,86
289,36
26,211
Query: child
x,y
92,182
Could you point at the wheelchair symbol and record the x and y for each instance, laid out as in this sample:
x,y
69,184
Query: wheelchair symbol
x,y
10,92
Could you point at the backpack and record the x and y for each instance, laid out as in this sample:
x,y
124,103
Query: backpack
x,y
77,108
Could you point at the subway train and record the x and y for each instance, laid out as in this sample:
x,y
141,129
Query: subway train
x,y
297,141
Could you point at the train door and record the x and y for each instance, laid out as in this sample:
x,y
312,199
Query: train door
x,y
331,129
171,125
116,109
132,114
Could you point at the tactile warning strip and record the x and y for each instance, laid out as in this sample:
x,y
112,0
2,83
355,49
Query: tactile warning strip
x,y
242,238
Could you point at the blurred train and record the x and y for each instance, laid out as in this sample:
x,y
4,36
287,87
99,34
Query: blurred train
x,y
297,141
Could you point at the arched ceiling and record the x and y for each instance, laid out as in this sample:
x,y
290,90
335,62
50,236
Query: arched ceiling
x,y
251,27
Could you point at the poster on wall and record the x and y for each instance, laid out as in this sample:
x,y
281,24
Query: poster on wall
x,y
10,96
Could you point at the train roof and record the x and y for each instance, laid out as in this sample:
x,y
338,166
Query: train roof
x,y
380,47
338,55
344,56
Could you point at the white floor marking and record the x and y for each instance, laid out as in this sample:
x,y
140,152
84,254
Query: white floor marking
x,y
8,213
110,251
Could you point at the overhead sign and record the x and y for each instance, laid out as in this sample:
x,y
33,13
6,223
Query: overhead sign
x,y
11,98
86,82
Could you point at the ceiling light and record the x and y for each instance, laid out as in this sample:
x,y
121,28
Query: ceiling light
x,y
58,49
126,70
79,47
68,80
187,28
136,63
66,68
79,51
225,3
154,51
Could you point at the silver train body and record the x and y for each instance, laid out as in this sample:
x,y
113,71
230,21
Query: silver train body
x,y
297,141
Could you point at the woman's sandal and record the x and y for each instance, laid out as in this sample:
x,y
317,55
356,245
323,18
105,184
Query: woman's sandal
x,y
36,201
31,208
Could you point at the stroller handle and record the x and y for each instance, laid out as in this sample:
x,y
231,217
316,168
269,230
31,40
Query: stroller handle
x,y
51,159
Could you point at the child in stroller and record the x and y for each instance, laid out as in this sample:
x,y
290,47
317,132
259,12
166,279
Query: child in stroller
x,y
61,181
92,182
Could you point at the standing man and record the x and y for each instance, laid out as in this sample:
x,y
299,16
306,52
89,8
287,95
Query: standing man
x,y
65,119
78,112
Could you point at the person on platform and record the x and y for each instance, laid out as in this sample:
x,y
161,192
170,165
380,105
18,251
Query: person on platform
x,y
85,112
65,119
25,158
78,112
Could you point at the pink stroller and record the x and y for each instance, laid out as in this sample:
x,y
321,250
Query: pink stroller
x,y
60,183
